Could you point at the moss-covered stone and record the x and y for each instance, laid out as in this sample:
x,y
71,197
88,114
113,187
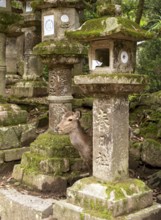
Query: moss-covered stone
x,y
109,199
125,78
7,19
121,28
38,4
12,115
60,47
53,145
151,152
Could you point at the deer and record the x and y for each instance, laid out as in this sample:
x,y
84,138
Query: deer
x,y
81,141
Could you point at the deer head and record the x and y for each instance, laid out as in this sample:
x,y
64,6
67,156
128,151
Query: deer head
x,y
69,122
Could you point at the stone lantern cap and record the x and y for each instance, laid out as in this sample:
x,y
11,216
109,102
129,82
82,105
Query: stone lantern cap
x,y
37,5
10,23
118,84
31,17
109,27
60,47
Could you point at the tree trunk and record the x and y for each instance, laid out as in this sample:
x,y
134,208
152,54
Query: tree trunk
x,y
139,11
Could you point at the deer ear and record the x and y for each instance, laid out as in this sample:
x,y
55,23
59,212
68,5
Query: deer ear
x,y
77,115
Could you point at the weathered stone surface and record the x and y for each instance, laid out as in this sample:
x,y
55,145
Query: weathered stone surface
x,y
30,89
14,154
16,136
28,134
110,136
73,212
18,172
53,145
9,137
151,152
115,198
11,114
2,63
1,157
116,83
100,28
46,183
17,206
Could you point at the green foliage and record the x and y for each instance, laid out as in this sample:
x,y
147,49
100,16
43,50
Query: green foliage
x,y
45,73
149,62
16,4
90,10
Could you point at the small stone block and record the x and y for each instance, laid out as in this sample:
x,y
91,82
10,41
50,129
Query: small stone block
x,y
14,154
18,172
46,183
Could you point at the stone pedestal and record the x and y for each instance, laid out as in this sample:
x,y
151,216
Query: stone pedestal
x,y
11,60
110,137
2,63
32,84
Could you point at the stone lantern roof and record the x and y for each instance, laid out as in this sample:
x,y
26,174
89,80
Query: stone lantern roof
x,y
10,23
109,27
55,3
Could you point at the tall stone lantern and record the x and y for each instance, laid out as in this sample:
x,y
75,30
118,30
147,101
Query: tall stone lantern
x,y
54,162
110,193
8,27
5,7
32,83
59,53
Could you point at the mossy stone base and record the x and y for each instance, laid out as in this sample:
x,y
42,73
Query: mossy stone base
x,y
105,200
29,89
51,164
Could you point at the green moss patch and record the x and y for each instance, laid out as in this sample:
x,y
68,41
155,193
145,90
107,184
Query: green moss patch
x,y
53,145
109,26
125,188
60,47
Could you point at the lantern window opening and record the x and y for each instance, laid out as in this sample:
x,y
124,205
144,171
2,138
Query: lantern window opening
x,y
102,57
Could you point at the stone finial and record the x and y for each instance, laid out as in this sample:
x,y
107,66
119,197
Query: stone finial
x,y
109,7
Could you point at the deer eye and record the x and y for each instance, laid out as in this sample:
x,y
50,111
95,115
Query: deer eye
x,y
70,119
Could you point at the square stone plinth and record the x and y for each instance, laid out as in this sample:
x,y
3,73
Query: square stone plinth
x,y
105,200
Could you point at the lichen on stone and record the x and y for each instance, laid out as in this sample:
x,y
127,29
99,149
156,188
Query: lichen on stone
x,y
60,47
120,28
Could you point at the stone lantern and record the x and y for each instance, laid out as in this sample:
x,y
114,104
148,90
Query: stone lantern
x,y
57,164
4,7
109,193
32,83
59,53
13,120
9,27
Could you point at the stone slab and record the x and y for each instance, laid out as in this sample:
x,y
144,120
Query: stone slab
x,y
14,154
17,206
120,198
62,210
